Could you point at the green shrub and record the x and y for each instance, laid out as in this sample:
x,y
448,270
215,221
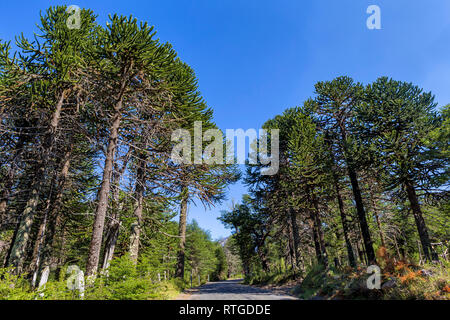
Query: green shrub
x,y
14,287
123,281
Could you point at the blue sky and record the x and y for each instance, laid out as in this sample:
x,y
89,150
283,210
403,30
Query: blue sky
x,y
255,58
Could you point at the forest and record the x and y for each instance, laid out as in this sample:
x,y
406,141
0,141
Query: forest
x,y
86,170
363,180
89,190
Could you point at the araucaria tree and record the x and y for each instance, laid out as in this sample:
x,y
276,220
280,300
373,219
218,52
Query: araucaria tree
x,y
86,119
356,164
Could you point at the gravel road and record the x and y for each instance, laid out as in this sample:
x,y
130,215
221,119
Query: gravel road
x,y
232,290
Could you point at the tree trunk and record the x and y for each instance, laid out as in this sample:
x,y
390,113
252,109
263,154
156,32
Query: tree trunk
x,y
36,259
376,214
319,231
291,254
263,257
113,228
377,218
110,243
361,214
360,253
103,194
296,236
17,256
345,228
351,257
182,235
53,212
139,205
428,251
315,235
358,200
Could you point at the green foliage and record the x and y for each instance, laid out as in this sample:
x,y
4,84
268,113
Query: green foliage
x,y
220,273
14,287
266,278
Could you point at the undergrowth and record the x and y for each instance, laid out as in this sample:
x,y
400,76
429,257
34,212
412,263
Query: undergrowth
x,y
400,280
123,282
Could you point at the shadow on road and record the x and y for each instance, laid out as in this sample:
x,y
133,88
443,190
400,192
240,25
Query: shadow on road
x,y
233,290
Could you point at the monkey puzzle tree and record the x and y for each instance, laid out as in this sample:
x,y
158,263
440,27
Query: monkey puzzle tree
x,y
336,102
130,57
58,60
398,118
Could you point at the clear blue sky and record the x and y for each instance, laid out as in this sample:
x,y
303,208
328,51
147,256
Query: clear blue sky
x,y
255,58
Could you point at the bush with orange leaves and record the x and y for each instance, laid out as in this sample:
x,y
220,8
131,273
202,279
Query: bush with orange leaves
x,y
402,269
415,284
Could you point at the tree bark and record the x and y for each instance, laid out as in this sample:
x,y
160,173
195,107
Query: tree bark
x,y
182,235
318,229
376,213
361,214
46,243
315,235
296,236
17,255
377,218
358,199
114,224
428,251
263,257
110,243
291,251
345,228
103,193
139,205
